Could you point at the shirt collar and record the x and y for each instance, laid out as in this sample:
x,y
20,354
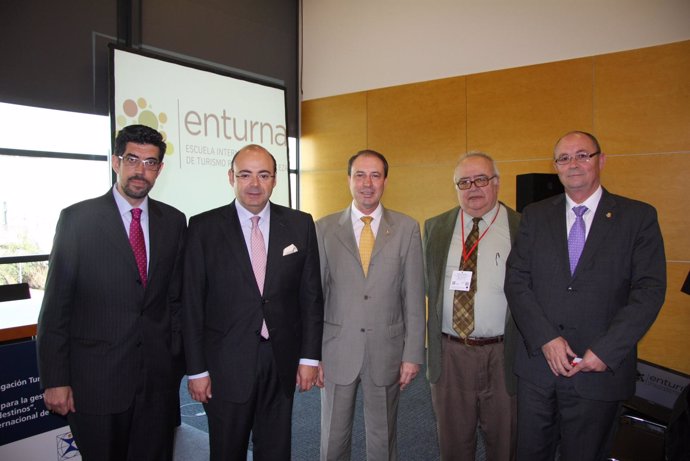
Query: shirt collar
x,y
245,215
487,217
591,203
357,215
125,207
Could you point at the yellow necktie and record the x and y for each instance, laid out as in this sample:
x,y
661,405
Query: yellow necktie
x,y
366,243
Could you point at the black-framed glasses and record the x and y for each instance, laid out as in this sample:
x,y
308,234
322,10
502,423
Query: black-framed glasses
x,y
133,161
246,177
580,157
481,181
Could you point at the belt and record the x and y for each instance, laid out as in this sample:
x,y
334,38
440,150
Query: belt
x,y
475,341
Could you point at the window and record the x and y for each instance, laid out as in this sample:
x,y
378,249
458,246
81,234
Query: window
x,y
48,160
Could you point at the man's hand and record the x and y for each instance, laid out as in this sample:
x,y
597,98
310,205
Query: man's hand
x,y
59,399
320,377
306,377
558,355
200,389
408,372
590,363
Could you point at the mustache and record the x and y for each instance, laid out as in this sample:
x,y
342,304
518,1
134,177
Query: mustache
x,y
139,177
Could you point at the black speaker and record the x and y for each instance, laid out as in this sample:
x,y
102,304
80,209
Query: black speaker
x,y
686,286
532,187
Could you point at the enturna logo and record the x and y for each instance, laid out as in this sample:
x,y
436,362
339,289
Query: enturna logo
x,y
201,127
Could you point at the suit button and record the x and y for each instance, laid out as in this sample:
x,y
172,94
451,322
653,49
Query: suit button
x,y
561,327
570,288
366,297
362,330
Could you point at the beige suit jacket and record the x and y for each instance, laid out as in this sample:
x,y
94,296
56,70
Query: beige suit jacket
x,y
383,313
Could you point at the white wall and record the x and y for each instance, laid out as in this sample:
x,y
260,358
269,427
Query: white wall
x,y
356,45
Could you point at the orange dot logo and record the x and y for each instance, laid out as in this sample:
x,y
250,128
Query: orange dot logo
x,y
140,111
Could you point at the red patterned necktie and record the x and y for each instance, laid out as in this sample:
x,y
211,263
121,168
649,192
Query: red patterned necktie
x,y
136,239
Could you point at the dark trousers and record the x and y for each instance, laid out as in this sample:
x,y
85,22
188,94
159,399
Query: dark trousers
x,y
143,432
267,415
557,414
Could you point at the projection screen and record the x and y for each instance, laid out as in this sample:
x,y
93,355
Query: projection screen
x,y
205,116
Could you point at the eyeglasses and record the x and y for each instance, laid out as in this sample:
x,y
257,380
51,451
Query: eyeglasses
x,y
132,161
580,157
246,177
481,181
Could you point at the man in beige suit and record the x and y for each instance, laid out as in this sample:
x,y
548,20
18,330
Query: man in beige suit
x,y
374,313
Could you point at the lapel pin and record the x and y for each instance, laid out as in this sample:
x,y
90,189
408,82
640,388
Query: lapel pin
x,y
608,215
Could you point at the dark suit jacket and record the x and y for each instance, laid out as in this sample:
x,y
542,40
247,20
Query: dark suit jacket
x,y
99,329
223,307
438,233
606,306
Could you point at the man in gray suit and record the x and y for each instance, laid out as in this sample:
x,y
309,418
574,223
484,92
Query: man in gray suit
x,y
585,280
471,370
374,312
109,341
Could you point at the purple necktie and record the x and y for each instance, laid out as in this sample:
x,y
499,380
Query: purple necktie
x,y
258,255
576,237
136,239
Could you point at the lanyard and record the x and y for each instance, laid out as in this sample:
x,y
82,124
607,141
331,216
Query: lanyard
x,y
466,253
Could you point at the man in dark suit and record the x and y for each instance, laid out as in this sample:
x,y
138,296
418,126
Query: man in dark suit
x,y
471,375
585,280
253,313
108,331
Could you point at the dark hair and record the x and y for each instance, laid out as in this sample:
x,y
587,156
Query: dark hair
x,y
583,133
372,153
253,147
139,134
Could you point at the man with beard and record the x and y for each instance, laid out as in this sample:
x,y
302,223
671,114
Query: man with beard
x,y
108,331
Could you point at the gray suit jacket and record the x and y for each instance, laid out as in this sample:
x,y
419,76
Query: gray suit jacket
x,y
438,232
606,306
383,312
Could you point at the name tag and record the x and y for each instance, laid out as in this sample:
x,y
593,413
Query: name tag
x,y
461,280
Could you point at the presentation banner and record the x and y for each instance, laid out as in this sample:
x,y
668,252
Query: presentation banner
x,y
205,117
28,431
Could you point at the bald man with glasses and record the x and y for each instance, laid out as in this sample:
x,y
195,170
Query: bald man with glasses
x,y
585,280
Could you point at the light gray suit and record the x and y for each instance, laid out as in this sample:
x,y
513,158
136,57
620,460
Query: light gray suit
x,y
371,324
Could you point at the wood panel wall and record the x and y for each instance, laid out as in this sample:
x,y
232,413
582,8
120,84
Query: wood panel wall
x,y
636,102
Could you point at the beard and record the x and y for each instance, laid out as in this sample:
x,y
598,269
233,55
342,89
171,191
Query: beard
x,y
137,192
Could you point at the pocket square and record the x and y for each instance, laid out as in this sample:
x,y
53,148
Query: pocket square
x,y
288,250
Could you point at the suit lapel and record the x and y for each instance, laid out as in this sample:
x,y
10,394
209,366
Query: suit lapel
x,y
384,233
155,242
439,248
114,230
279,238
346,235
559,233
232,231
